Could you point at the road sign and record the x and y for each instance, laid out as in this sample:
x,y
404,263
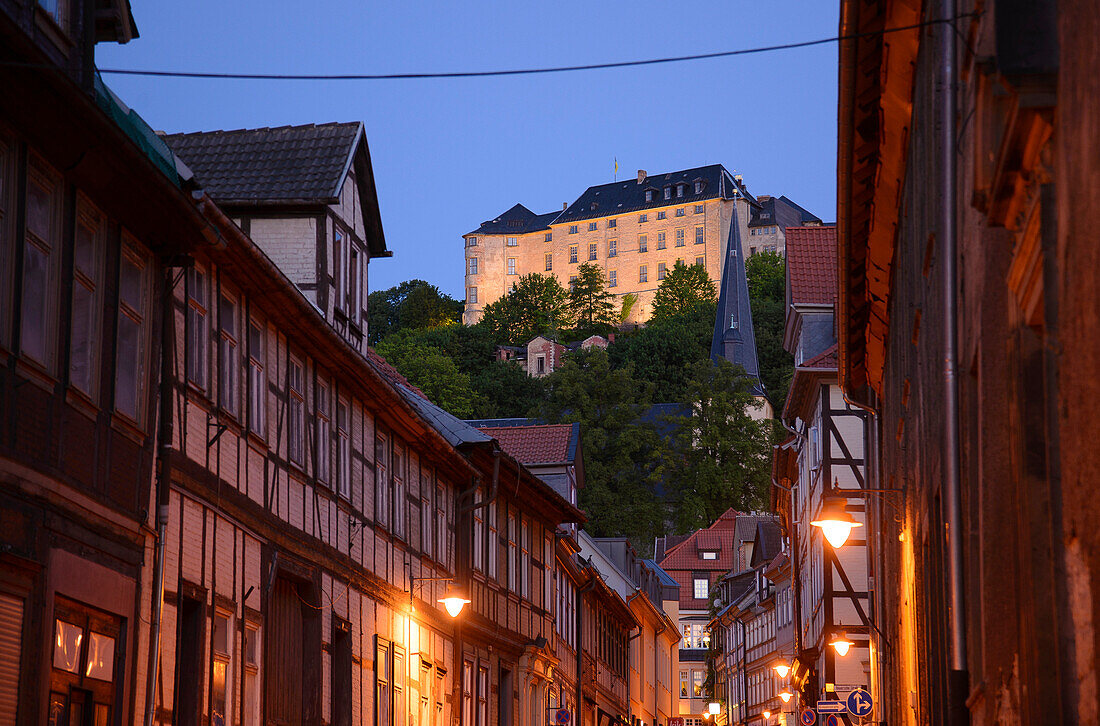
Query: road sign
x,y
860,702
807,717
831,707
833,720
561,716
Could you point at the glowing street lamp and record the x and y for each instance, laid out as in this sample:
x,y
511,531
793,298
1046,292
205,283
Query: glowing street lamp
x,y
454,601
786,695
782,669
836,524
766,715
841,644
713,708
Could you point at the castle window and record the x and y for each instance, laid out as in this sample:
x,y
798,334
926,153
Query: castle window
x,y
549,262
573,254
680,212
698,208
549,236
612,223
698,187
592,251
572,229
643,243
511,265
613,248
679,190
592,226
471,296
661,240
643,274
661,269
662,215
613,279
649,195
698,235
668,192
511,241
471,266
471,241
679,238
643,218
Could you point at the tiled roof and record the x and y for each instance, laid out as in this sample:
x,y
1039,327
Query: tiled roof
x,y
683,560
284,164
628,195
540,444
517,220
825,359
391,374
780,212
812,265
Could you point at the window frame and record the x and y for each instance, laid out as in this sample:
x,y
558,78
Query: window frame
x,y
48,242
132,250
92,282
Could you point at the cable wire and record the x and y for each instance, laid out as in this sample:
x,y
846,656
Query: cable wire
x,y
510,72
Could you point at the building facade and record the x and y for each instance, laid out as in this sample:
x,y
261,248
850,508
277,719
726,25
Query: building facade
x,y
967,322
634,230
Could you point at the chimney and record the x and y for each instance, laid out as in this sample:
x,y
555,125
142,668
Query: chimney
x,y
610,337
641,176
564,206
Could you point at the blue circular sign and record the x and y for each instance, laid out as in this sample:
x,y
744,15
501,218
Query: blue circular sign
x,y
807,717
860,702
833,720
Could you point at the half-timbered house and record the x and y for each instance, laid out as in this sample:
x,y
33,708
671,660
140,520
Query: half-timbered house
x,y
822,467
92,216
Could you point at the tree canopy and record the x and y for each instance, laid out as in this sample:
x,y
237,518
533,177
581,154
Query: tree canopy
x,y
766,272
414,304
432,371
592,305
684,287
536,305
663,352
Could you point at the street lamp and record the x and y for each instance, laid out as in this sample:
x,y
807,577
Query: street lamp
x,y
782,669
841,644
835,522
454,600
713,708
766,715
786,695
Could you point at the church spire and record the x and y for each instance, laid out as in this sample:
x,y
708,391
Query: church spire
x,y
733,332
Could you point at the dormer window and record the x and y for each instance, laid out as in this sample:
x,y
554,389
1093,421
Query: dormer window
x,y
668,192
679,190
709,555
698,187
649,195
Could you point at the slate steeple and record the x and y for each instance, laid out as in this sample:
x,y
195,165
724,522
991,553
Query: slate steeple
x,y
733,334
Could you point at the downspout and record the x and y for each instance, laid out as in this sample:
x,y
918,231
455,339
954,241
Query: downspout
x,y
588,587
164,446
957,675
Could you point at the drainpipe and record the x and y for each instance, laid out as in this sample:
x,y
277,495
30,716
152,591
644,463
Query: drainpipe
x,y
957,676
588,587
164,446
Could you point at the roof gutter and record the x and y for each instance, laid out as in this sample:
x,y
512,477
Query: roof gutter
x,y
845,119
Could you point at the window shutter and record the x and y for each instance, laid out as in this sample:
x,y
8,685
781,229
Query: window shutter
x,y
11,638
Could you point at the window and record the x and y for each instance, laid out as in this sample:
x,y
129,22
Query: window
x,y
482,696
572,281
592,226
295,423
512,560
41,256
471,266
683,684
511,241
661,241
649,195
679,238
524,563
133,315
698,189
700,587
679,210
323,432
662,215
660,270
643,218
540,364
221,667
643,243
400,490
612,279
549,262
339,273
383,682
701,261
573,254
340,706
471,296
696,683
250,687
467,693
698,207
228,360
549,236
87,287
511,265
572,229
668,192
679,193
752,251
592,251
479,533
86,658
612,248
710,555
612,223
427,488
343,449
643,274
257,380
440,524
197,331
494,525
355,285
471,241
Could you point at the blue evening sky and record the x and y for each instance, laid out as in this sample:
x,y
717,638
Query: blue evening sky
x,y
449,154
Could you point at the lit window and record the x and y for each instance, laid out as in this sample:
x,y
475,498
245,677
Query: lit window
x,y
710,555
661,270
643,274
573,254
700,588
612,279
613,248
643,243
511,241
511,265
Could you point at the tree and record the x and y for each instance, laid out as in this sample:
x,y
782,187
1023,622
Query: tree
x,y
767,278
664,351
618,494
630,299
433,372
412,304
719,457
536,305
682,289
591,303
504,390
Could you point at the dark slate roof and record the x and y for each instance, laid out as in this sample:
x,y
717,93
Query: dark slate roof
x,y
455,430
733,338
288,164
768,544
626,196
664,577
517,220
781,212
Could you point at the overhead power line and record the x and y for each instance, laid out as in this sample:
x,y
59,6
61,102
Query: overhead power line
x,y
515,71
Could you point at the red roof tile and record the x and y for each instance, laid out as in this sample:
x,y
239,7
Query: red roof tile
x,y
812,264
390,373
541,444
824,359
685,559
